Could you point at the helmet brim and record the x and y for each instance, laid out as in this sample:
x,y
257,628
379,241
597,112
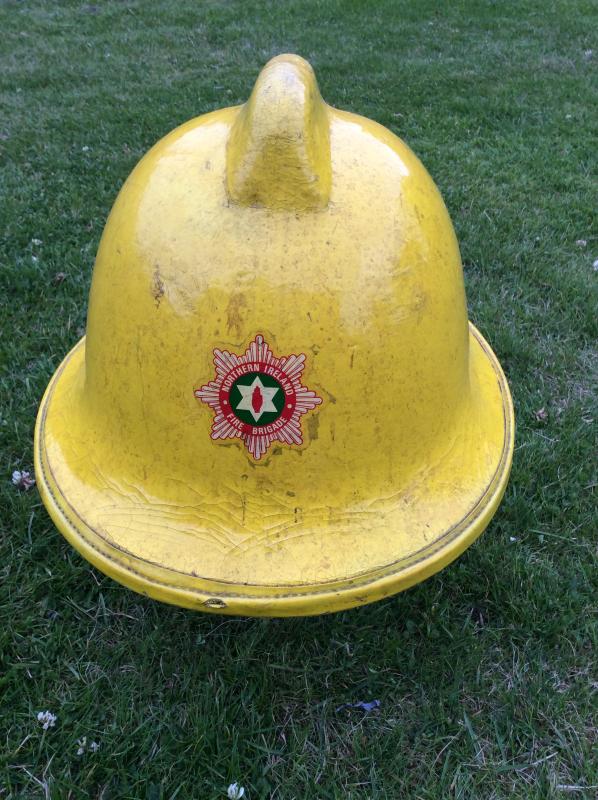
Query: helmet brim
x,y
477,463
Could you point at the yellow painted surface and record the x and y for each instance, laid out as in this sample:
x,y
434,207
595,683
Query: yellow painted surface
x,y
321,231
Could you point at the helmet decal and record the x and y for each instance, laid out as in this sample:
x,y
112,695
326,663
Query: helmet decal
x,y
258,397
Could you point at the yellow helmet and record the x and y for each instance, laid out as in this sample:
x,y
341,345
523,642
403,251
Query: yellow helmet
x,y
279,407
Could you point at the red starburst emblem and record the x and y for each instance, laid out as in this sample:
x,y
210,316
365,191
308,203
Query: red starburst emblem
x,y
258,397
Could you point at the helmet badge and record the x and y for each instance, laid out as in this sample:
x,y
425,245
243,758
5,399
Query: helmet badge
x,y
258,397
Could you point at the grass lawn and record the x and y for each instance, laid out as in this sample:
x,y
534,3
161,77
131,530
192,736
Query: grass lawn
x,y
484,673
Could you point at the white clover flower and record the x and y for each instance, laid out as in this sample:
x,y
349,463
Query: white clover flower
x,y
235,792
36,242
46,719
82,746
22,480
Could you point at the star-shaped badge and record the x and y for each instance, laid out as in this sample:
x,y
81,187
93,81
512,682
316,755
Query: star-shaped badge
x,y
258,397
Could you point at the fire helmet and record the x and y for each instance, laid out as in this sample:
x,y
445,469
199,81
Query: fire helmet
x,y
279,407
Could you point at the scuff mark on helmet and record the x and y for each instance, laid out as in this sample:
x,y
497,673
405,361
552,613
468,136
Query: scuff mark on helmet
x,y
157,287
